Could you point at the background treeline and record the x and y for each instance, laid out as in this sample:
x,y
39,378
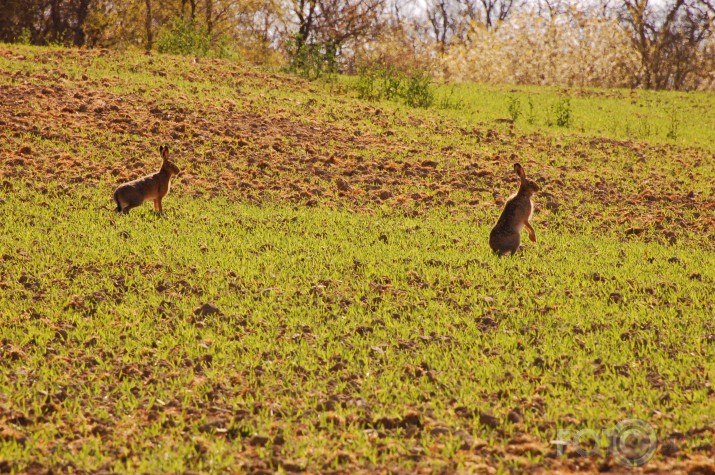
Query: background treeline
x,y
657,44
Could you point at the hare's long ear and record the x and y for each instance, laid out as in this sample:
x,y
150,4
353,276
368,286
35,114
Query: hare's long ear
x,y
164,150
520,171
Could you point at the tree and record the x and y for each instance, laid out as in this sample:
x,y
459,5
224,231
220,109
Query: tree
x,y
494,10
209,16
16,17
147,26
47,21
442,20
336,21
257,27
668,39
192,8
454,18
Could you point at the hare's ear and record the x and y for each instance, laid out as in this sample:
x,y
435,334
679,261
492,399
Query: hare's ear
x,y
164,150
520,171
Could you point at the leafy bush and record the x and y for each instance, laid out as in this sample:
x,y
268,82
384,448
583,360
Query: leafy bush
x,y
561,113
374,84
514,108
391,83
190,38
419,91
25,37
531,114
366,88
673,124
184,37
380,83
312,60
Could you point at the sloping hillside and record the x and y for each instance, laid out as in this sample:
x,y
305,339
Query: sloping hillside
x,y
319,295
93,115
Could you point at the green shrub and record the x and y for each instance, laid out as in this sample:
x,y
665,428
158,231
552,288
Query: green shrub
x,y
184,37
419,90
366,86
312,60
561,113
25,37
514,108
531,114
673,124
378,83
392,83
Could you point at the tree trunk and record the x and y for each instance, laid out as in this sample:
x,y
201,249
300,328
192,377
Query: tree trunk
x,y
82,12
192,9
147,26
209,16
305,21
56,29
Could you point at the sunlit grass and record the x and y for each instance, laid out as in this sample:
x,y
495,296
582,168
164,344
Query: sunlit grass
x,y
403,314
251,331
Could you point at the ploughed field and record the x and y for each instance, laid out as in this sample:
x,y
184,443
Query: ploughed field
x,y
319,294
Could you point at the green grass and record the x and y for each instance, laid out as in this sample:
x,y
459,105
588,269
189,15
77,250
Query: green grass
x,y
681,118
351,333
381,314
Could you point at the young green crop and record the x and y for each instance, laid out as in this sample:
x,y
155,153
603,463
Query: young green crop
x,y
320,293
327,323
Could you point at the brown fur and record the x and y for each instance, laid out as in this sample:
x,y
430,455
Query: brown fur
x,y
506,234
151,187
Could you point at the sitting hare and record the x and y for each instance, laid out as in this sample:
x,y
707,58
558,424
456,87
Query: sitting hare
x,y
151,187
505,235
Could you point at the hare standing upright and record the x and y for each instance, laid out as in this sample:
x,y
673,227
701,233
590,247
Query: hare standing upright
x,y
505,235
151,187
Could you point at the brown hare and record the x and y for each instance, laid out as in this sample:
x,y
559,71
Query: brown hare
x,y
151,187
505,235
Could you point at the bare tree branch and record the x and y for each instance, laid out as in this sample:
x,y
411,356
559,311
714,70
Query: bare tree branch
x,y
667,41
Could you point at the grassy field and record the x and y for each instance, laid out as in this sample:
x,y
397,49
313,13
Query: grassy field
x,y
319,294
686,119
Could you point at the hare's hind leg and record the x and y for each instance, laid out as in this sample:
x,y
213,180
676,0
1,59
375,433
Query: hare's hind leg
x,y
530,230
503,244
127,207
130,204
119,205
126,199
123,207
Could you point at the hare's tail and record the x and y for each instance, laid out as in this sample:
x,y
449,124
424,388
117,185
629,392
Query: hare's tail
x,y
119,206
